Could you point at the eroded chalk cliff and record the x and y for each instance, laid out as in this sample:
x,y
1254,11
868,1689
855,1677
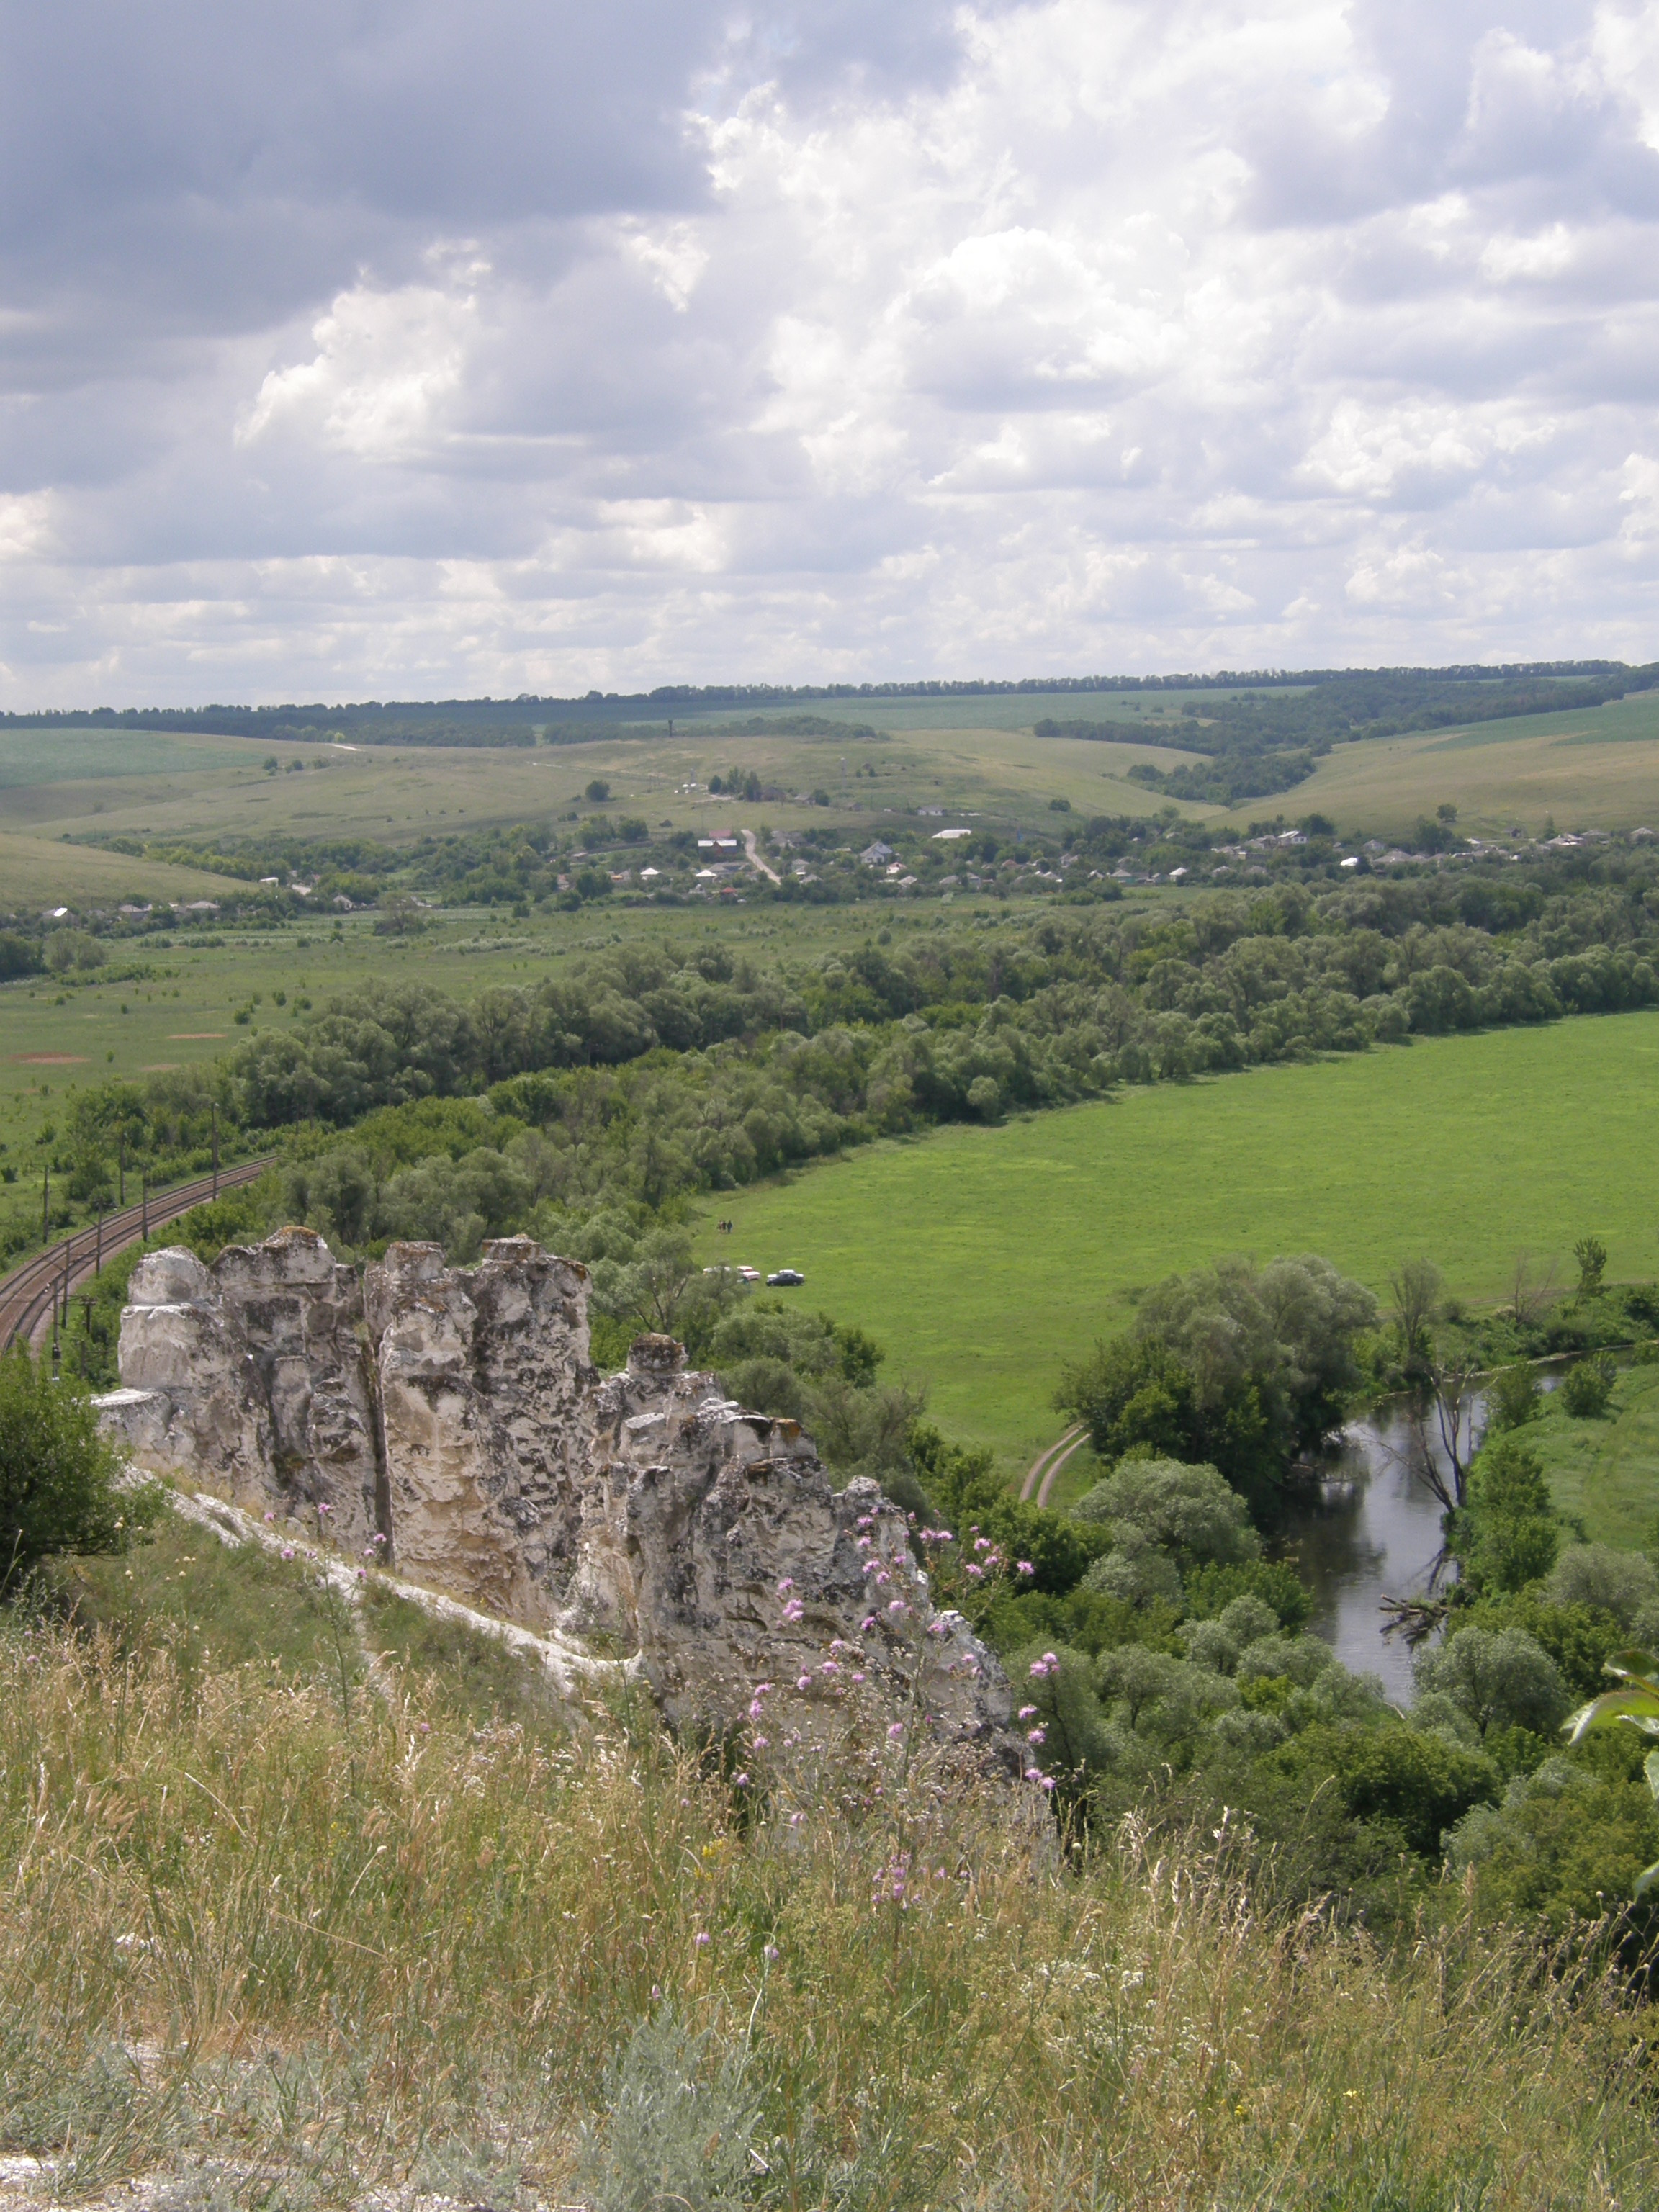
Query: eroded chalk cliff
x,y
452,1421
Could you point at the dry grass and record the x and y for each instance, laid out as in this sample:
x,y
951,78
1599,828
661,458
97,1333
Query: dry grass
x,y
328,1944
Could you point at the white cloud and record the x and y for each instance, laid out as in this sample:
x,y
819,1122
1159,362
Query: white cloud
x,y
386,363
1074,334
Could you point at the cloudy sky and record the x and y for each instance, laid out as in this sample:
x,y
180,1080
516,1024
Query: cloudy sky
x,y
399,347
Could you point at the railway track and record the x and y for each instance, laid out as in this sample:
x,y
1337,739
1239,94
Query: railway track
x,y
31,1294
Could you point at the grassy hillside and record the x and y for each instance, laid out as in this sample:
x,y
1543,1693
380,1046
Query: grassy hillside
x,y
279,1932
985,1258
1598,768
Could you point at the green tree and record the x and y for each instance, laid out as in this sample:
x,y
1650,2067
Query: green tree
x,y
1500,1679
58,1473
1591,1253
1191,1512
1513,1398
1507,1532
1588,1386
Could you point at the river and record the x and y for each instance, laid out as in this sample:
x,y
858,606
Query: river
x,y
1369,1529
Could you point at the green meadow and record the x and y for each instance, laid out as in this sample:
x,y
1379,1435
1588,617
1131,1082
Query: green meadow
x,y
985,1258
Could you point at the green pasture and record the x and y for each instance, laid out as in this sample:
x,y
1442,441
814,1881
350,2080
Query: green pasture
x,y
1604,1470
985,1258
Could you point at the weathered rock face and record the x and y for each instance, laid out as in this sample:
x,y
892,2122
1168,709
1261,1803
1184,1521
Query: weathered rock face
x,y
715,1548
486,1390
256,1369
456,1414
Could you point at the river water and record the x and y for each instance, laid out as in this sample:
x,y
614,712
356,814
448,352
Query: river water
x,y
1369,1529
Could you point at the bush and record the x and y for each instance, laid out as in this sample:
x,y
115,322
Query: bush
x,y
1513,1398
58,1472
1588,1386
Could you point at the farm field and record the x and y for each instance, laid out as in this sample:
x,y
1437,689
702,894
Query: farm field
x,y
984,1259
1594,769
193,787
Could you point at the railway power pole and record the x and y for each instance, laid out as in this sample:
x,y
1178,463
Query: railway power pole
x,y
216,1148
45,1201
144,1206
121,1162
98,1263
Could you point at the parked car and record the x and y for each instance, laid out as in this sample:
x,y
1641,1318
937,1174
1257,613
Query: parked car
x,y
750,1274
786,1278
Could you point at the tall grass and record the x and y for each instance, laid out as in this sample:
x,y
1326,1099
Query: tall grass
x,y
325,1943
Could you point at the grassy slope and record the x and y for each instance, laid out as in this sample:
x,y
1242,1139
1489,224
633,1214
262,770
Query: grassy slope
x,y
985,1258
1606,1471
1598,768
301,1940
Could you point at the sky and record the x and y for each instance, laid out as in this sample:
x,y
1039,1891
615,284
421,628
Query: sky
x,y
357,348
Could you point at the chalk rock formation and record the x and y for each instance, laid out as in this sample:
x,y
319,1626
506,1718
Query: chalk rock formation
x,y
254,1369
456,1414
486,1390
715,1548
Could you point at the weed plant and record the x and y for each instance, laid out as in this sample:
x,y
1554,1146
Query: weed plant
x,y
297,1946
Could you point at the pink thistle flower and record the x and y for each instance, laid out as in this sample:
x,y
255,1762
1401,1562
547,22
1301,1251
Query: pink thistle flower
x,y
830,1666
897,1605
1050,1659
975,1570
858,1678
881,1581
322,1508
761,1743
1034,1774
1037,1735
1027,1712
981,1543
701,1939
270,1516
1048,1781
287,1552
803,1681
937,1628
771,1955
786,1586
1024,1567
895,1730
740,1781
867,1623
426,1728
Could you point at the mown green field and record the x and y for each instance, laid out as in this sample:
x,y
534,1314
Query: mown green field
x,y
983,1258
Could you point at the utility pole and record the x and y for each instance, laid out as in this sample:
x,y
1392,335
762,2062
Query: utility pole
x,y
98,1262
121,1157
45,1201
216,1148
144,1206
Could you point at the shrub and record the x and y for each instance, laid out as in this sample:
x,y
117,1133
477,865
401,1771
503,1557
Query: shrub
x,y
1588,1386
678,2126
58,1470
1513,1398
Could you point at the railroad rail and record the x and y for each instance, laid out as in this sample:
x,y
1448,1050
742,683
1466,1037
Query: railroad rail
x,y
31,1295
